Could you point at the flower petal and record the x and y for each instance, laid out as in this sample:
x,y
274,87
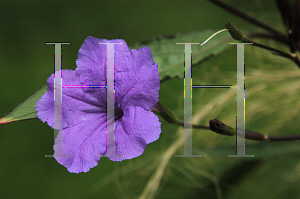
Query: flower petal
x,y
45,105
85,143
92,57
144,128
83,134
77,105
137,80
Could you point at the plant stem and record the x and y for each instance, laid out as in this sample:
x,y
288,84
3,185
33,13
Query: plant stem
x,y
292,56
282,53
238,35
221,128
218,126
246,17
195,126
278,38
292,41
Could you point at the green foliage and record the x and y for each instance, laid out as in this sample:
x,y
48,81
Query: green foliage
x,y
272,103
170,57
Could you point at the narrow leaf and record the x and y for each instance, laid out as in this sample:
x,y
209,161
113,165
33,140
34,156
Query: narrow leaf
x,y
25,110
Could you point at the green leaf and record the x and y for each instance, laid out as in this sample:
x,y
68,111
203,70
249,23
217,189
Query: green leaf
x,y
25,110
170,56
166,54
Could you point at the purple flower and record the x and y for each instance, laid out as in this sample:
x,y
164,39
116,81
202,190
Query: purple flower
x,y
83,131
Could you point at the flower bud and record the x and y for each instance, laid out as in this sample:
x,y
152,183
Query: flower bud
x,y
221,128
235,33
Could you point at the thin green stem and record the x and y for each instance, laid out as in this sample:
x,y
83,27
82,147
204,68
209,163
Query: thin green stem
x,y
218,126
221,128
238,35
277,38
292,41
246,17
282,53
195,126
292,56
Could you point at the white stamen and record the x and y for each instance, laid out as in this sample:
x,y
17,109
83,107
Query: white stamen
x,y
212,36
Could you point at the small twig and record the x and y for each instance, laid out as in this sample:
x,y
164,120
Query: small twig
x,y
218,126
293,46
292,56
292,41
221,128
246,17
284,138
195,126
282,53
278,38
238,35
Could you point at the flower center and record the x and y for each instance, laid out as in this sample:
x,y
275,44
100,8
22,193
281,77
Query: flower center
x,y
118,112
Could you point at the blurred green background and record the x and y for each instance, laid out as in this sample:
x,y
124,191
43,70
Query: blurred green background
x,y
272,93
